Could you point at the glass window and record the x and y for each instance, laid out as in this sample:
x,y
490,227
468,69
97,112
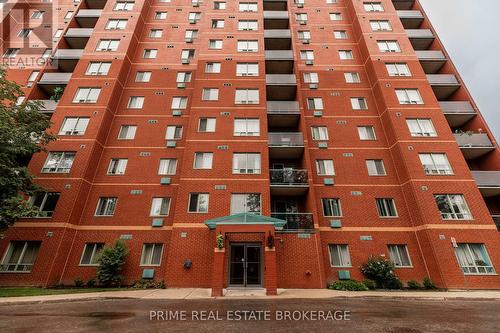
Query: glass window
x,y
331,207
301,17
315,103
108,45
210,94
340,34
388,46
307,55
212,67
37,14
246,163
217,24
247,7
346,55
435,164
183,77
375,167
117,166
366,133
135,102
352,78
246,96
143,77
124,5
127,132
247,69
59,162
246,127
179,103
381,25
155,33
151,254
421,127
248,46
116,24
399,255
219,5
359,103
247,25
453,207
319,132
87,95
245,203
336,16
203,160
174,132
473,258
150,53
206,125
215,44
90,254
160,15
190,35
325,168
45,202
339,255
20,256
304,35
98,68
198,202
106,206
168,166
398,69
386,207
74,126
409,96
160,206
373,6
311,78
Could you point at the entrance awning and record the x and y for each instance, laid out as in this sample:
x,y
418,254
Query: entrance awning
x,y
245,219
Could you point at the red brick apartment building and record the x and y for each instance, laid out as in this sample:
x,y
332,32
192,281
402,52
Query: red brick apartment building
x,y
309,134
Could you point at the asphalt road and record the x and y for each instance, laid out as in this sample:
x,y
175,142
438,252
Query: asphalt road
x,y
364,314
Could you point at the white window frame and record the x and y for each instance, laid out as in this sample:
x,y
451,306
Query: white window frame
x,y
397,252
338,248
109,207
246,170
436,168
127,128
117,166
198,208
167,166
75,127
96,248
206,159
149,260
458,205
388,205
66,158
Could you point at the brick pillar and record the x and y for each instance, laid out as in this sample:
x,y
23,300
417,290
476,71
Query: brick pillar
x,y
270,275
218,272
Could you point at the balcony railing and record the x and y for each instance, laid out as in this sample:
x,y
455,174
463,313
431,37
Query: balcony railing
x,y
286,139
411,19
47,105
281,79
466,140
430,55
421,39
79,32
296,222
431,61
276,14
277,33
70,54
487,178
442,79
55,78
283,107
456,107
403,4
288,177
279,55
419,33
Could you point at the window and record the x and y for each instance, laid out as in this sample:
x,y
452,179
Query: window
x,y
340,34
11,53
106,206
183,77
212,67
59,162
90,254
142,76
435,164
421,127
246,96
24,33
246,163
301,17
219,5
46,53
339,255
311,78
345,55
366,133
135,102
198,202
246,127
174,132
473,258
325,168
203,160
307,55
74,126
193,17
335,16
155,33
217,24
190,35
116,24
398,69
37,14
179,103
98,68
248,46
399,255
386,207
107,45
373,7
299,2
210,94
58,33
20,256
319,132
388,46
381,25
315,103
247,25
409,96
160,206
187,55
68,15
151,254
453,207
247,7
124,5
206,125
352,78
331,207
45,202
247,69
32,78
117,166
160,15
304,35
168,166
359,103
245,203
127,132
375,167
150,53
215,44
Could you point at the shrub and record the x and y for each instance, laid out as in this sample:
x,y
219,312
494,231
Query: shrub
x,y
148,284
347,285
412,284
111,260
379,269
428,284
91,283
394,283
79,282
370,284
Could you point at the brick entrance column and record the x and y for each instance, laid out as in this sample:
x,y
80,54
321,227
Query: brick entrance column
x,y
270,275
218,272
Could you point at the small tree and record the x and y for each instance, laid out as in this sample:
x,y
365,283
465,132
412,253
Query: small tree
x,y
379,269
58,92
111,260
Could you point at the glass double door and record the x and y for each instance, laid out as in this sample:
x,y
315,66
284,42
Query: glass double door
x,y
245,267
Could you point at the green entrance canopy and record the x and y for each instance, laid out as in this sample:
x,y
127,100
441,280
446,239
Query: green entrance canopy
x,y
245,219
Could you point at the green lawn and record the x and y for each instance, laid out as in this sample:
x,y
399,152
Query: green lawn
x,y
32,291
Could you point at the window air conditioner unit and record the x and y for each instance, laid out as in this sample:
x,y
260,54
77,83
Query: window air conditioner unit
x,y
189,40
309,62
313,86
192,21
181,85
302,22
185,61
306,41
300,5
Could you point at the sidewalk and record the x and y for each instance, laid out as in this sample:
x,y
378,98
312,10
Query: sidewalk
x,y
204,293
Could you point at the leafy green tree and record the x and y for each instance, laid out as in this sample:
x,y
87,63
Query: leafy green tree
x,y
22,133
111,260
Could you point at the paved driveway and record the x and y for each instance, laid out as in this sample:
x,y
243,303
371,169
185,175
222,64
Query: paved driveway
x,y
364,314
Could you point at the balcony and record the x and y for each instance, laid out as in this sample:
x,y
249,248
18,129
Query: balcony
x,y
279,61
296,222
421,39
283,114
95,4
288,181
431,61
403,4
279,5
77,37
496,219
277,39
67,59
488,182
281,87
276,19
443,85
457,113
49,81
87,18
285,145
474,145
411,19
48,106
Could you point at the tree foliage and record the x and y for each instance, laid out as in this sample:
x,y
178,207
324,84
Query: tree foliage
x,y
22,133
111,260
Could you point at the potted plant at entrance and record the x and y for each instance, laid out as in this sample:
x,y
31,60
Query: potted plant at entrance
x,y
220,241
